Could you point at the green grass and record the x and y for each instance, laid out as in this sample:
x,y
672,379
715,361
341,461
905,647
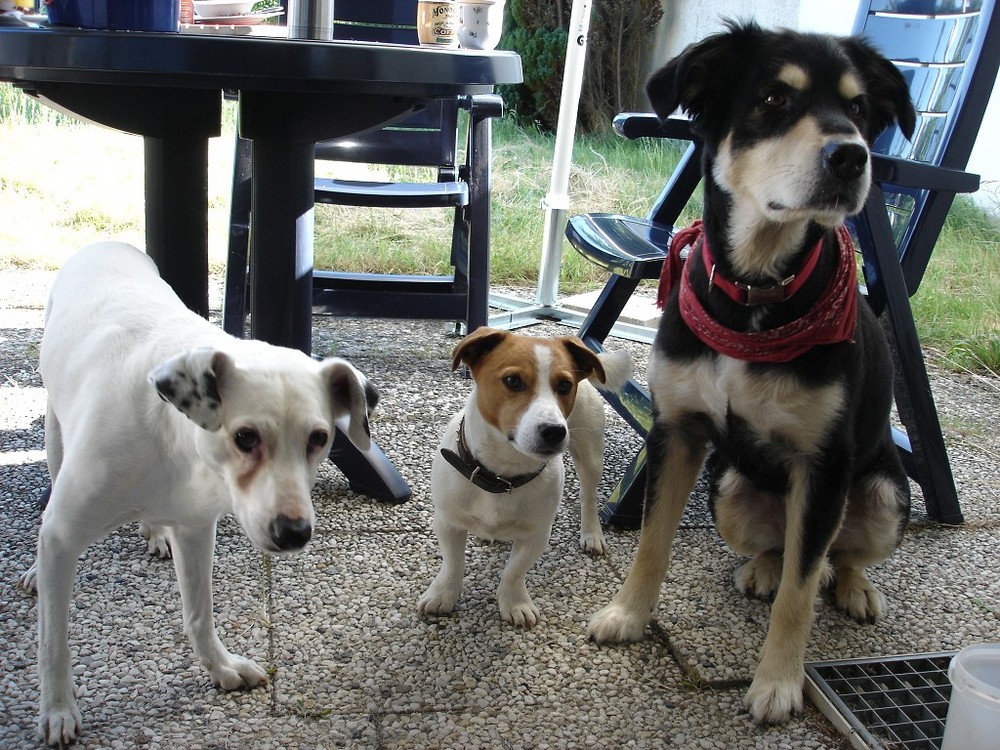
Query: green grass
x,y
64,184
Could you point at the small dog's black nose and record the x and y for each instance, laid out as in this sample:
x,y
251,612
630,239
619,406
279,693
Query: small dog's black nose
x,y
553,434
846,161
290,533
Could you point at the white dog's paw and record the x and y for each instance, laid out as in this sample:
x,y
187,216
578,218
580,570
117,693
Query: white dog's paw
x,y
858,597
59,726
236,672
157,540
438,600
593,543
29,579
617,624
773,701
759,577
519,612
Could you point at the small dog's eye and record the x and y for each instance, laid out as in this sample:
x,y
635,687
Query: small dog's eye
x,y
564,386
513,382
246,439
318,438
854,108
775,100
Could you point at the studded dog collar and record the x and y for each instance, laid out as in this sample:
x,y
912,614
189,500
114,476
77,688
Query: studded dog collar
x,y
468,466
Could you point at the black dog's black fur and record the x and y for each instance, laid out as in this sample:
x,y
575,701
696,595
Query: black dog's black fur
x,y
831,484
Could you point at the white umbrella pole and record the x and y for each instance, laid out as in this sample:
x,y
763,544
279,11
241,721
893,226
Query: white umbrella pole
x,y
556,202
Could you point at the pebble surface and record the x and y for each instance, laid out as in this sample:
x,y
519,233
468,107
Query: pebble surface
x,y
355,666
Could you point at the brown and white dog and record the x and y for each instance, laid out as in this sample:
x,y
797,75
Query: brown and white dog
x,y
763,350
156,414
498,472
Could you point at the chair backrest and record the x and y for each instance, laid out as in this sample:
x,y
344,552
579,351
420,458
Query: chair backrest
x,y
429,137
949,52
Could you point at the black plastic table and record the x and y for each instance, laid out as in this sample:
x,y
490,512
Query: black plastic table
x,y
168,88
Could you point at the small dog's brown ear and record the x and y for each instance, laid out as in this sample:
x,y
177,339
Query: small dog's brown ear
x,y
585,360
478,343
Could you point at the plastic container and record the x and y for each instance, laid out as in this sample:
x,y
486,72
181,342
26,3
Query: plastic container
x,y
121,15
974,710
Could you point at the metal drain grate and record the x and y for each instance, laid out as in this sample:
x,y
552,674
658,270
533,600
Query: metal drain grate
x,y
890,703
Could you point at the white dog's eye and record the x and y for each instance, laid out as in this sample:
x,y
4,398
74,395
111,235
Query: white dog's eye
x,y
246,439
318,438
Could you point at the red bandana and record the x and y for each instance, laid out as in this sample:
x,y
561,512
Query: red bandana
x,y
831,320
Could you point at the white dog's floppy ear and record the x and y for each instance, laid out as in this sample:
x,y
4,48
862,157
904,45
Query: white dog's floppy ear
x,y
352,396
190,382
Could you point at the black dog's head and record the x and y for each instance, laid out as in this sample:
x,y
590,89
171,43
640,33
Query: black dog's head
x,y
787,118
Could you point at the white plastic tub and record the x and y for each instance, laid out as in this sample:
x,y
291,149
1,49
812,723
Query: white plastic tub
x,y
974,710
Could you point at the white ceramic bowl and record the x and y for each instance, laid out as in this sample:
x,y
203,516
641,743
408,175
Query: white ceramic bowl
x,y
480,23
220,8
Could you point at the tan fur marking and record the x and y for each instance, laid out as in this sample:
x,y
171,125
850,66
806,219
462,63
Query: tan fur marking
x,y
849,86
795,76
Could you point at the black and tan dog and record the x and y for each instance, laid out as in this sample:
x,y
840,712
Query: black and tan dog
x,y
764,351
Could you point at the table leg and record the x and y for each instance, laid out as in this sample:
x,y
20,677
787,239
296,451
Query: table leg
x,y
177,214
281,256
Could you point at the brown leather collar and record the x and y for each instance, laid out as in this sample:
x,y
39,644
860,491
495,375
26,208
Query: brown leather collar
x,y
469,467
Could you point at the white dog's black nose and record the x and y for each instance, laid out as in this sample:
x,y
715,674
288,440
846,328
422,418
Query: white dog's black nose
x,y
290,533
552,434
845,161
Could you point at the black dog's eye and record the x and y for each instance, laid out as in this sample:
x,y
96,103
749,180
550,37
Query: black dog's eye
x,y
775,100
564,386
246,439
318,438
854,108
514,383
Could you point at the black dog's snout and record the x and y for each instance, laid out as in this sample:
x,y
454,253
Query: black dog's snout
x,y
290,533
553,434
846,161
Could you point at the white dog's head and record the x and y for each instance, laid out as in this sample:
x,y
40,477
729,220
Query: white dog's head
x,y
266,421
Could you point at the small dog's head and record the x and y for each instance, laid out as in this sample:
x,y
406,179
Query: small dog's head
x,y
266,418
787,118
526,386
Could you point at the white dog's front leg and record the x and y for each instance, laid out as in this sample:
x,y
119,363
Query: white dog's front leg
x,y
443,593
59,720
516,606
194,552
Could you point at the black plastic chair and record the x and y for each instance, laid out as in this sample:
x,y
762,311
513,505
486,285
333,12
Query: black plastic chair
x,y
433,136
949,52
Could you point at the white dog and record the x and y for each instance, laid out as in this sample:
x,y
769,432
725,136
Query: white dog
x,y
498,472
156,414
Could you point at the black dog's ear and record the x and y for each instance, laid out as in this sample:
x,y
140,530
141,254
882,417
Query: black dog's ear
x,y
698,80
886,89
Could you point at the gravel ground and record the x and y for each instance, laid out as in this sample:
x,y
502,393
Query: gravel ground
x,y
353,663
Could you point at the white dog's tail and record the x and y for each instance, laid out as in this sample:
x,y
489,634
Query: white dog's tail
x,y
617,369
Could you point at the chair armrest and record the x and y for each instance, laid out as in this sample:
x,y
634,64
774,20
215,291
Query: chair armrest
x,y
634,125
917,175
482,105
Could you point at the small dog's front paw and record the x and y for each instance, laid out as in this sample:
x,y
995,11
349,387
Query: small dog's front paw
x,y
29,580
858,597
617,624
236,672
60,726
157,540
438,600
593,543
521,613
773,701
